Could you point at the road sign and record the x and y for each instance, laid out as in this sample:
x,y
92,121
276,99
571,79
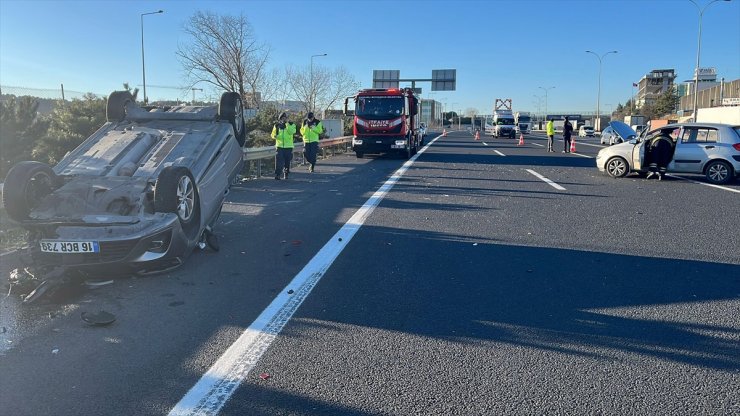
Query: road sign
x,y
386,78
444,79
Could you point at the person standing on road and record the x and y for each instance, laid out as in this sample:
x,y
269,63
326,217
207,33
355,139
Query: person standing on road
x,y
311,130
550,135
283,132
567,131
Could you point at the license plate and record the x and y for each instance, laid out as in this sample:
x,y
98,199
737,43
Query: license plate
x,y
54,246
398,146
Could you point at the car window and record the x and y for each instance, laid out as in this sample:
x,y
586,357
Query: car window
x,y
699,135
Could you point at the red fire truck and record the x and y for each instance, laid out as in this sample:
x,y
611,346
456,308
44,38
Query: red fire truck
x,y
385,120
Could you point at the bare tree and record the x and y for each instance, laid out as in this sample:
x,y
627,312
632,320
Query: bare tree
x,y
224,51
471,112
321,89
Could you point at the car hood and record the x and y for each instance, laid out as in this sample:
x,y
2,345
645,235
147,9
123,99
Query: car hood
x,y
623,130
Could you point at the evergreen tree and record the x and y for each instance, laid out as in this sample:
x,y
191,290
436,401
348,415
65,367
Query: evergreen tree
x,y
21,128
70,125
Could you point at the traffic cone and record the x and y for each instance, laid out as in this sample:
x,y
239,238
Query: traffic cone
x,y
572,145
444,132
477,135
521,140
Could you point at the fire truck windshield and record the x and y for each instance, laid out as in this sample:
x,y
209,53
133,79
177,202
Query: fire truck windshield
x,y
379,108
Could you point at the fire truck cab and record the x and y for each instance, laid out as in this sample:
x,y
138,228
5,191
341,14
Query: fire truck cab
x,y
385,121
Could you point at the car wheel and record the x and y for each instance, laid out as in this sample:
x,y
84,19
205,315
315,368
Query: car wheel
x,y
115,108
230,108
616,167
175,192
359,155
26,184
718,172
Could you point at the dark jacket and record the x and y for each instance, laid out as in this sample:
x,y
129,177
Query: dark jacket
x,y
567,129
661,150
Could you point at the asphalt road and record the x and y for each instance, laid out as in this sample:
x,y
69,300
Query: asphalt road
x,y
475,287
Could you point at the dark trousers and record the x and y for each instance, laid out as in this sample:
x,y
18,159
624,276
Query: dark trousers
x,y
310,150
566,144
283,156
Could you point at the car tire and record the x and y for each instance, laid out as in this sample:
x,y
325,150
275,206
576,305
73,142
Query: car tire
x,y
175,192
359,155
718,172
26,184
115,108
616,167
230,108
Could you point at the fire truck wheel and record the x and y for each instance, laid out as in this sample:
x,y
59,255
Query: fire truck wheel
x,y
359,155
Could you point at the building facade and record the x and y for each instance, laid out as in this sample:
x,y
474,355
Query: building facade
x,y
653,84
431,112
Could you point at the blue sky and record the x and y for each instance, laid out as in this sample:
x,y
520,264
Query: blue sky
x,y
501,49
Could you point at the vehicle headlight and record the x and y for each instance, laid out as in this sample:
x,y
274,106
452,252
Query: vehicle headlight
x,y
400,142
357,141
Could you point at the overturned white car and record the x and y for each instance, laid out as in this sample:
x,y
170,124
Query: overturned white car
x,y
136,196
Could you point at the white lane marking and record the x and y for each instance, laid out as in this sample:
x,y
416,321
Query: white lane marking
x,y
498,153
590,144
705,184
547,181
216,386
581,155
537,144
485,144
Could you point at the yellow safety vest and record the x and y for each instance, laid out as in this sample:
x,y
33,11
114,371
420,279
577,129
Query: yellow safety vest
x,y
311,134
283,137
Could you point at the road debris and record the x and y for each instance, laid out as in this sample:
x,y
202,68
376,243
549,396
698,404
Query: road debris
x,y
98,318
55,350
96,283
264,376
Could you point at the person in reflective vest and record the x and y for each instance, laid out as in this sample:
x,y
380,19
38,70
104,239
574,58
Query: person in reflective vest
x,y
550,135
283,132
311,130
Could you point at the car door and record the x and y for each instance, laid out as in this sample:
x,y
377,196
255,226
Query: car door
x,y
694,145
638,155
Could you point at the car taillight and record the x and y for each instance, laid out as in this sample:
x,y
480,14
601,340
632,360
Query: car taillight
x,y
736,146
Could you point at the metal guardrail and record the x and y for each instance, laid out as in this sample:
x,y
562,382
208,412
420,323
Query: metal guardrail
x,y
268,152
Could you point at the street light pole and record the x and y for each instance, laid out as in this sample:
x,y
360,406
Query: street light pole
x,y
143,71
546,89
598,94
194,90
311,98
539,107
456,113
698,54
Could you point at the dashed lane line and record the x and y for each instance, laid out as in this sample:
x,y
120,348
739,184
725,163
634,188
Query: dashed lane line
x,y
547,181
215,387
